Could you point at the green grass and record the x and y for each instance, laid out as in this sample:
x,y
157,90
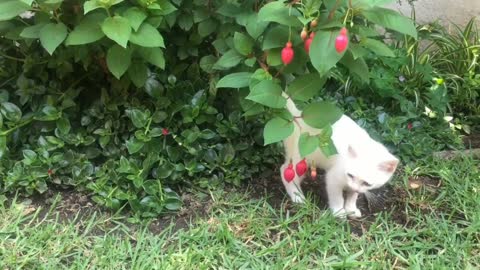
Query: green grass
x,y
442,232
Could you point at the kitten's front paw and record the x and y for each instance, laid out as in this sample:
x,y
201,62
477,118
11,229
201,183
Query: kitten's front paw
x,y
354,213
298,198
340,213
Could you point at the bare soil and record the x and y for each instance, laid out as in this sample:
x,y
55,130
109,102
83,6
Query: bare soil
x,y
472,141
76,205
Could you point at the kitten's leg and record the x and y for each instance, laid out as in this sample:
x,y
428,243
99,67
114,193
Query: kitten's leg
x,y
351,204
335,193
293,188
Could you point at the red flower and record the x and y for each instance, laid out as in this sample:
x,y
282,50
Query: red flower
x,y
410,126
165,131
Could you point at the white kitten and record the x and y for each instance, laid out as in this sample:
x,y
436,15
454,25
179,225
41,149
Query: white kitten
x,y
361,164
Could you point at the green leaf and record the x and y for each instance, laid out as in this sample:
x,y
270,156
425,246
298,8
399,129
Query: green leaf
x,y
11,111
135,16
11,8
235,80
392,20
321,114
185,21
165,170
258,76
357,66
28,2
117,29
280,13
328,148
278,36
323,54
3,145
87,31
307,144
228,60
52,35
153,55
173,204
29,156
139,118
165,7
377,47
369,3
267,93
200,15
306,86
207,27
243,43
32,31
118,60
325,141
357,51
229,10
91,5
147,36
277,129
48,113
207,62
255,26
134,145
138,73
63,125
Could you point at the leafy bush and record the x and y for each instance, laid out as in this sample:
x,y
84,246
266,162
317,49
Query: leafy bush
x,y
90,86
455,56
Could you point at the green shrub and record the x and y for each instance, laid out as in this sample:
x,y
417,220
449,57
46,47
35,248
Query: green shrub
x,y
90,85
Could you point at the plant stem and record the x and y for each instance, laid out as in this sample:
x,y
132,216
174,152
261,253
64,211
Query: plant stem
x,y
8,131
12,57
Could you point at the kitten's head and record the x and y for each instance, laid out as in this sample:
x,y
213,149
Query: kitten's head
x,y
369,167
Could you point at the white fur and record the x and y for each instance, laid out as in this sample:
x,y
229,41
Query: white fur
x,y
358,155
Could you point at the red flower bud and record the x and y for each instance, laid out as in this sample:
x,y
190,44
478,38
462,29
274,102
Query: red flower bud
x,y
287,54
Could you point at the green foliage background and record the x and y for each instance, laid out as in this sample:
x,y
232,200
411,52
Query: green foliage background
x,y
129,100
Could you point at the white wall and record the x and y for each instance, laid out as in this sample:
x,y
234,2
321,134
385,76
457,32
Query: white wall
x,y
456,11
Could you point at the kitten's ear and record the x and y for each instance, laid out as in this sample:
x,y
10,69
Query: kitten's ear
x,y
389,166
351,152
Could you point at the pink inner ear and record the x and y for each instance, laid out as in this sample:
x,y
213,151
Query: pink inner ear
x,y
352,152
389,166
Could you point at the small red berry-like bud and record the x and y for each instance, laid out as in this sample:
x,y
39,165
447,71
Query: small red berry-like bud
x,y
165,131
410,126
301,167
50,172
314,23
341,42
313,174
312,35
289,173
343,31
307,44
287,54
304,34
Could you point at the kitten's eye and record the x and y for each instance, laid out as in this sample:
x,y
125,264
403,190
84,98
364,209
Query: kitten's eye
x,y
350,175
367,184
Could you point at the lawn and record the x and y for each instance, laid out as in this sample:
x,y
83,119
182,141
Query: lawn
x,y
429,219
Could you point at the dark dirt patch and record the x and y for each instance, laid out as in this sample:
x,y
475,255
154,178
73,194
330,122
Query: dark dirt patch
x,y
472,141
391,198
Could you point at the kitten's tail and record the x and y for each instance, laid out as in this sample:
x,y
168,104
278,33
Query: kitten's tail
x,y
291,107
